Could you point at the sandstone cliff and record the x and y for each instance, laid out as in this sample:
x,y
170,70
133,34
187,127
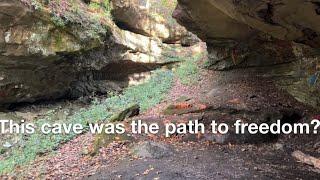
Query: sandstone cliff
x,y
248,33
57,49
152,18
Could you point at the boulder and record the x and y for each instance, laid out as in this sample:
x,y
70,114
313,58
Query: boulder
x,y
153,150
103,140
131,111
151,18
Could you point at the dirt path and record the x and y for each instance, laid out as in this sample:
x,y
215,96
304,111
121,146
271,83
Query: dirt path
x,y
203,160
243,93
199,161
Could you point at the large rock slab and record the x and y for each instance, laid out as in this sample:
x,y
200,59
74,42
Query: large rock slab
x,y
246,33
217,20
151,18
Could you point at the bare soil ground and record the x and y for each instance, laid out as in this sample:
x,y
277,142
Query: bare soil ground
x,y
197,158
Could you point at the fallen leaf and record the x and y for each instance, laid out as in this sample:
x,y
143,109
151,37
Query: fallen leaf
x,y
146,172
234,101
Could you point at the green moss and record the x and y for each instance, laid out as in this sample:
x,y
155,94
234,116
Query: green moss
x,y
126,113
58,40
105,7
169,3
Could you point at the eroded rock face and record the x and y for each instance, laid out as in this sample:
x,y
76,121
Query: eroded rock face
x,y
33,54
142,48
248,33
215,20
41,59
151,18
26,31
64,49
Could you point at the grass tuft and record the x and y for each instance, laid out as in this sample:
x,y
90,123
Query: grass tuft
x,y
188,71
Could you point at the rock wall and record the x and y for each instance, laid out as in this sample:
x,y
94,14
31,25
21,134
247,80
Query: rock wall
x,y
246,33
55,49
151,18
218,20
35,51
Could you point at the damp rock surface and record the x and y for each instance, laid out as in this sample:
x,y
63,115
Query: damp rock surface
x,y
153,150
281,39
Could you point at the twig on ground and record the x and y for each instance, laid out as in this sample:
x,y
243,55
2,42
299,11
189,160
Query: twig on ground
x,y
306,159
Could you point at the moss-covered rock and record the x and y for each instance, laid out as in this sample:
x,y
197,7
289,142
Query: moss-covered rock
x,y
131,111
103,140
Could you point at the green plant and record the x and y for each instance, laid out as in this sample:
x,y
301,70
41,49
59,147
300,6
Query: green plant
x,y
67,13
165,9
107,5
146,95
94,5
58,21
188,71
36,5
